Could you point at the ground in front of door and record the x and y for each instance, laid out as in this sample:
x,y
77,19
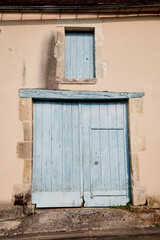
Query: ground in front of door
x,y
78,220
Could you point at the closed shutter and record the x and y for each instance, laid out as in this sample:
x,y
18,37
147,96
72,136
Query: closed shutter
x,y
79,55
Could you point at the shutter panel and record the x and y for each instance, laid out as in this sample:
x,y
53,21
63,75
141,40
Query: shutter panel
x,y
79,55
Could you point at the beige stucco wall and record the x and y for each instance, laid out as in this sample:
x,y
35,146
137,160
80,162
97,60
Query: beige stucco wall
x,y
127,60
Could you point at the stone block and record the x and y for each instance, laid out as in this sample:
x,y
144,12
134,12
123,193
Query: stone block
x,y
22,188
139,196
137,143
134,168
24,150
27,172
25,109
135,106
132,124
27,129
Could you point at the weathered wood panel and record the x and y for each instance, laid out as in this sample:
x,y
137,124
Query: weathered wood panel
x,y
79,55
75,95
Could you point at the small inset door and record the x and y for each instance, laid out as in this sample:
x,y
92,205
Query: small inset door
x,y
80,154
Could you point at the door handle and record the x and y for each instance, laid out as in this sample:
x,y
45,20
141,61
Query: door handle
x,y
96,163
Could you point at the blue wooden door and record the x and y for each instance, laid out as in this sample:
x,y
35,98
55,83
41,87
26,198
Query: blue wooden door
x,y
105,153
80,154
56,166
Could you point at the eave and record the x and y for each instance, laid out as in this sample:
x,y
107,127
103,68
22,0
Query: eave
x,y
94,8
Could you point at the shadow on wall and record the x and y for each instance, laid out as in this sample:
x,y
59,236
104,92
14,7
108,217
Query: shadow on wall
x,y
49,63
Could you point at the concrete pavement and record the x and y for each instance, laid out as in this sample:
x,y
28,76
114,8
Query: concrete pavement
x,y
112,234
82,223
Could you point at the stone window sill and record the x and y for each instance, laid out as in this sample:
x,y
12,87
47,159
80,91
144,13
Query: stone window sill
x,y
78,81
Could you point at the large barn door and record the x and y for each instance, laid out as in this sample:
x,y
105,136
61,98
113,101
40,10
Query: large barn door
x,y
80,154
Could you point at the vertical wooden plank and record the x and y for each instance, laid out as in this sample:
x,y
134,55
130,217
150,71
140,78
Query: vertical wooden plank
x,y
95,114
46,148
122,159
114,160
126,149
34,177
96,141
75,148
120,112
91,56
67,147
86,55
56,139
86,123
37,150
121,144
112,118
73,54
105,161
96,176
80,50
108,140
112,121
118,160
81,158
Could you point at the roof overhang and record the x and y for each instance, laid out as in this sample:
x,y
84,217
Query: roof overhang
x,y
86,8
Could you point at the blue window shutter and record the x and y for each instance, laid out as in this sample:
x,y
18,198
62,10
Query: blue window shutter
x,y
79,55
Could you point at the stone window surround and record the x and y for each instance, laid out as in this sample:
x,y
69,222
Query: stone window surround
x,y
136,145
100,66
